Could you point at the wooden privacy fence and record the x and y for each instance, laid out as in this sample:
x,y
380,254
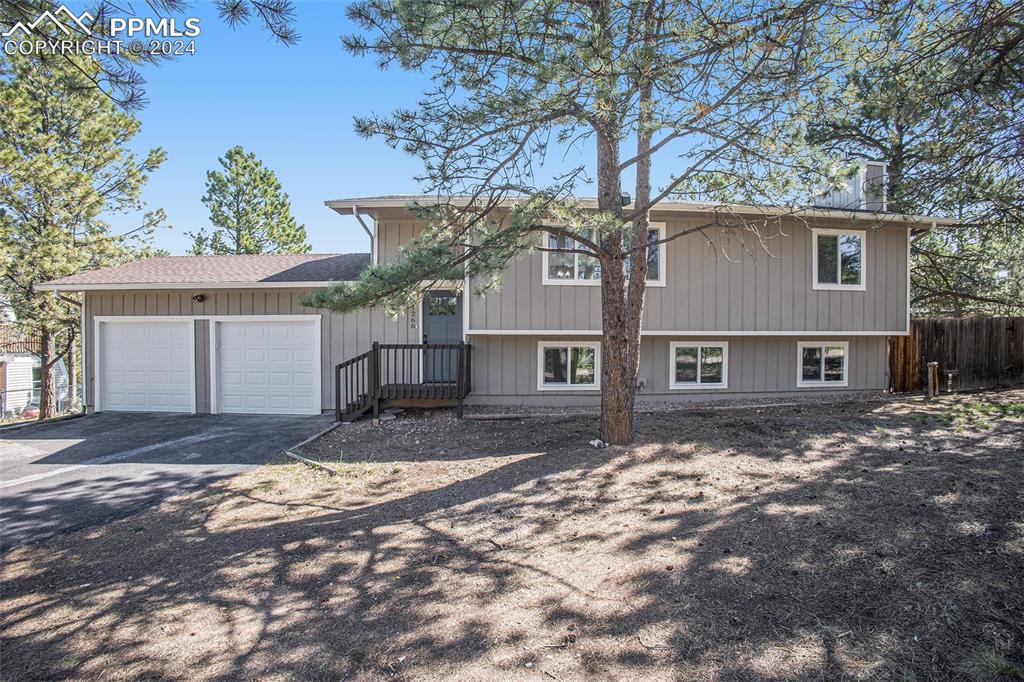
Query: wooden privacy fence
x,y
982,351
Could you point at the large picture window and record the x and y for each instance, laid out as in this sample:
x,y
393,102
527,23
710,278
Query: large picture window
x,y
838,259
822,363
698,364
581,269
564,365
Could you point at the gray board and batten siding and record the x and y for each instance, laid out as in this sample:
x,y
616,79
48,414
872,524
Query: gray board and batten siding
x,y
762,304
722,289
505,369
341,336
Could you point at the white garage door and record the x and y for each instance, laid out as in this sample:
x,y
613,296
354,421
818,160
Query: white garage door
x,y
268,367
146,366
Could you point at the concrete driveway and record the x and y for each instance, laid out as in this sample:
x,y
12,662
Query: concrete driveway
x,y
83,472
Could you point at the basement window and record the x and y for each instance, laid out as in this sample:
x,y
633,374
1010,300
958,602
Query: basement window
x,y
698,364
568,366
822,363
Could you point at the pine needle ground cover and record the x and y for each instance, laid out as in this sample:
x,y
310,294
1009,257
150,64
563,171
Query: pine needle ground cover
x,y
862,540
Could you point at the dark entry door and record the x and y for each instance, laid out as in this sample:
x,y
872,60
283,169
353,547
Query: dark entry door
x,y
442,323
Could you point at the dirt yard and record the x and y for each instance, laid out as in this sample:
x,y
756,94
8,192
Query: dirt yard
x,y
861,540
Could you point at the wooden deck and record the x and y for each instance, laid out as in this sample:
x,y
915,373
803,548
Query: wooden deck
x,y
361,383
436,391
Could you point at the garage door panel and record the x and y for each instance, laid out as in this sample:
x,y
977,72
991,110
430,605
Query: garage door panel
x,y
231,354
279,355
268,366
279,378
256,402
231,403
304,379
146,366
255,354
256,379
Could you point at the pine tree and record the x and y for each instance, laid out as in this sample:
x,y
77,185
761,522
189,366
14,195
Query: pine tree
x,y
946,119
64,161
249,210
718,92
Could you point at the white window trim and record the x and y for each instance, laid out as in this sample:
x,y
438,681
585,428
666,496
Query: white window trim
x,y
662,260
549,281
802,383
541,345
817,232
697,385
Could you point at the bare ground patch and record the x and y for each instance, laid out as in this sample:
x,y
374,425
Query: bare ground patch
x,y
860,540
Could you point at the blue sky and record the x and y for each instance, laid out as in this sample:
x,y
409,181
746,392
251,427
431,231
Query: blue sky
x,y
292,106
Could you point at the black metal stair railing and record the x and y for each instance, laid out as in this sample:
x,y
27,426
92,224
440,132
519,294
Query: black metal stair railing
x,y
352,390
402,371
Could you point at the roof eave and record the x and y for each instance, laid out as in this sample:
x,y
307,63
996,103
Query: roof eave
x,y
116,286
346,206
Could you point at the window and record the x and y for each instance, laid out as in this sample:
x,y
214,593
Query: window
x,y
442,304
698,364
578,268
822,363
569,268
568,366
838,259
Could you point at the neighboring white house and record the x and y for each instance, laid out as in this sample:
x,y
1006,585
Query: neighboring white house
x,y
20,370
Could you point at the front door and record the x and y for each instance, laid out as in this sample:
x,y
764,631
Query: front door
x,y
442,323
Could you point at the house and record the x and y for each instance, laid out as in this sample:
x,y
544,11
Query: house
x,y
20,368
228,333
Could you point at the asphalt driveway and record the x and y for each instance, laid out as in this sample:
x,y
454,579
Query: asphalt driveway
x,y
82,472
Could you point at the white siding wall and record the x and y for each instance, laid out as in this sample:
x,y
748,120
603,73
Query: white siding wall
x,y
19,381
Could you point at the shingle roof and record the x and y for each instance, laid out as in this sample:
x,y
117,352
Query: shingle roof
x,y
224,270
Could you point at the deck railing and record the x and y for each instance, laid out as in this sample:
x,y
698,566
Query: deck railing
x,y
402,371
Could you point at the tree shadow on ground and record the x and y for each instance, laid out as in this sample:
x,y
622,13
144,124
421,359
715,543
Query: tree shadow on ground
x,y
787,543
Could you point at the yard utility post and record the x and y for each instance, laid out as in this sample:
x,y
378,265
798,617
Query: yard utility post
x,y
933,379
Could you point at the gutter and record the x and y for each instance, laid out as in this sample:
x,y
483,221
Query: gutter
x,y
190,286
679,208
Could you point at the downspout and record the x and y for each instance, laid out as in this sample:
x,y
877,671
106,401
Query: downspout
x,y
368,231
84,372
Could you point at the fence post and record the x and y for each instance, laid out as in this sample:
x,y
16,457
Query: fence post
x,y
375,378
337,393
933,379
460,380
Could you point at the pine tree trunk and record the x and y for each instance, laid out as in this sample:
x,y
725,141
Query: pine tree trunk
x,y
47,397
622,302
73,405
637,286
617,387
